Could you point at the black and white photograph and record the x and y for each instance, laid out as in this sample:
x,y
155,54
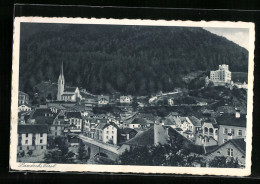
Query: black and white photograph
x,y
139,96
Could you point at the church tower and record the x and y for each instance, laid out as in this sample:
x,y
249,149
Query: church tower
x,y
61,83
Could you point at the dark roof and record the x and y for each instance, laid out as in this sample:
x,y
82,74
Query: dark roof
x,y
240,144
70,89
41,112
44,120
32,129
140,121
104,125
127,130
103,97
231,120
73,115
195,121
147,138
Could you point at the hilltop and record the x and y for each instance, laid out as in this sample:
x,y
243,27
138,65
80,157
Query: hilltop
x,y
128,59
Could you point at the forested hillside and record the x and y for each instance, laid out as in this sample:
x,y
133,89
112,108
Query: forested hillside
x,y
129,59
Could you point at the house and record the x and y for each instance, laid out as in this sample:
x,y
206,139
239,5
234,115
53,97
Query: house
x,y
231,126
24,108
32,137
106,132
42,116
170,101
23,98
103,100
184,123
126,99
128,133
23,117
155,135
196,124
208,135
167,122
59,125
234,148
75,121
136,123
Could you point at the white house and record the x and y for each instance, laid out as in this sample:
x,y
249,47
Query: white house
x,y
126,99
103,100
221,75
32,137
106,132
23,108
75,121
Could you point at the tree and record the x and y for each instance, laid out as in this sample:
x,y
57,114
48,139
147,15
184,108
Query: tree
x,y
82,153
224,162
61,153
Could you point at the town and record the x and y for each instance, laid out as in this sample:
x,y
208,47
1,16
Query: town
x,y
76,126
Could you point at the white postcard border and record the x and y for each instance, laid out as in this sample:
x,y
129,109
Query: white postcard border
x,y
16,166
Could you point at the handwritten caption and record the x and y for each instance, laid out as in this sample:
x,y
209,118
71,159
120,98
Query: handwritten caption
x,y
38,165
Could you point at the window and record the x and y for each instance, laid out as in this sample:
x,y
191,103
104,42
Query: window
x,y
225,140
21,148
107,137
112,137
112,132
41,147
230,152
205,130
26,141
232,131
107,132
240,132
216,131
112,128
55,133
26,135
40,140
225,131
28,148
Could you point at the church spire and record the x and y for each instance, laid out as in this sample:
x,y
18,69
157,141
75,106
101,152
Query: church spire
x,y
61,71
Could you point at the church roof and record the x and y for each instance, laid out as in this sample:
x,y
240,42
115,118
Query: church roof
x,y
70,89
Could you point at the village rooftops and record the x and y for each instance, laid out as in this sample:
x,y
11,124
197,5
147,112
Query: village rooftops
x,y
140,121
127,130
22,129
231,120
73,115
42,112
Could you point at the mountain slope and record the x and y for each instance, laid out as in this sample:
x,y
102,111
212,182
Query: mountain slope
x,y
129,59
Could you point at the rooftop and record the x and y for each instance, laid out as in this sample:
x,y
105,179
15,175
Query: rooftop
x,y
32,129
231,120
70,89
73,115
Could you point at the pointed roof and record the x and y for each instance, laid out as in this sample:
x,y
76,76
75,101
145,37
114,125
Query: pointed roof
x,y
61,77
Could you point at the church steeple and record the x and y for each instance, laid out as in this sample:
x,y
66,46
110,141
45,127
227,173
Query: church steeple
x,y
61,83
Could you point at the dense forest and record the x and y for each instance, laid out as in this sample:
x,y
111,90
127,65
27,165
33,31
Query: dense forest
x,y
135,60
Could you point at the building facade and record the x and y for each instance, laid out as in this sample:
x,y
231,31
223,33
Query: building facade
x,y
221,75
32,137
23,98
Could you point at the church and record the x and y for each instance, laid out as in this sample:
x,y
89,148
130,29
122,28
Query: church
x,y
68,94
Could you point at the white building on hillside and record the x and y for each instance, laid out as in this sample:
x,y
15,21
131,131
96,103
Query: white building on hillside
x,y
221,75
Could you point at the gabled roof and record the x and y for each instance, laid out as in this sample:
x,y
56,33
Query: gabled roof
x,y
104,125
41,112
240,144
73,115
70,89
44,120
103,97
195,121
23,93
140,121
127,130
231,120
32,129
154,135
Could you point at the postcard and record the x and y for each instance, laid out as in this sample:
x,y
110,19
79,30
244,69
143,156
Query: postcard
x,y
132,96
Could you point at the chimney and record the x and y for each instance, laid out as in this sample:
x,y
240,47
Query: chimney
x,y
237,113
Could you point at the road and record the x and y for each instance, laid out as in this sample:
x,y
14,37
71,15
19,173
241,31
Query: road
x,y
112,148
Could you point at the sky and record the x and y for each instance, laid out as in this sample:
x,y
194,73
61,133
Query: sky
x,y
239,36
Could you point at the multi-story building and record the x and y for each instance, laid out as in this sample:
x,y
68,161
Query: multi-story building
x,y
231,127
126,99
106,132
221,75
32,137
75,121
23,98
